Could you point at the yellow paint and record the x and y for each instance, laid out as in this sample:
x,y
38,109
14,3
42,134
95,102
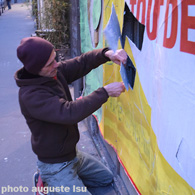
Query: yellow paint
x,y
126,124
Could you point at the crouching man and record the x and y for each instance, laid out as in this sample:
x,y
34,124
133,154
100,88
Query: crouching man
x,y
52,115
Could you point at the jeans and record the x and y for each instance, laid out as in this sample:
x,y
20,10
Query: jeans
x,y
9,4
75,176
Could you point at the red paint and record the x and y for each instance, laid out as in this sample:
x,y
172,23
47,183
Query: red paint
x,y
156,12
187,22
143,2
170,42
150,18
132,3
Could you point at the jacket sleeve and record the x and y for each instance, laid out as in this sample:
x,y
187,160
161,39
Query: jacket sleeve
x,y
50,108
78,67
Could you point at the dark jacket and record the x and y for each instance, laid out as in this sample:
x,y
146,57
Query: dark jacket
x,y
49,111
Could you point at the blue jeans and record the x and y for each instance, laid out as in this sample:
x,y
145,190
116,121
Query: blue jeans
x,y
9,4
75,176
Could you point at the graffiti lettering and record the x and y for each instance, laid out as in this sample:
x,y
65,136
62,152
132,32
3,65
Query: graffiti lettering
x,y
187,22
170,42
151,13
133,3
143,2
152,35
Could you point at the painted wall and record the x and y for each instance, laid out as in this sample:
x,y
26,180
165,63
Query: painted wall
x,y
91,22
152,127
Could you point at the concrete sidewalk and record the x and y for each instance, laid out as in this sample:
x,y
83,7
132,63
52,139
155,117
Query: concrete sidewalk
x,y
17,161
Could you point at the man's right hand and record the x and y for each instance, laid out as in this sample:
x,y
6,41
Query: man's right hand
x,y
115,89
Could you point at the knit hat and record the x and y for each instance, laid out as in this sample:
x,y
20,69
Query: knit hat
x,y
34,52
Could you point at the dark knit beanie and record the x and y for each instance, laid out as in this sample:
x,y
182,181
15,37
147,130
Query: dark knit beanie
x,y
34,52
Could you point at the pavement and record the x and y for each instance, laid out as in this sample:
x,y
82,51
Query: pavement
x,y
17,161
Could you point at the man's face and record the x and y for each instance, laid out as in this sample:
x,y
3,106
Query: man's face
x,y
50,69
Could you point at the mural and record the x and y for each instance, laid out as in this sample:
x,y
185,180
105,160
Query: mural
x,y
91,22
151,126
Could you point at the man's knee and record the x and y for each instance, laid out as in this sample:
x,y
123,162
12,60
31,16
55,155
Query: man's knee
x,y
109,178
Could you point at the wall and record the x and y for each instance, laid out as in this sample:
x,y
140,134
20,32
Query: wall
x,y
152,126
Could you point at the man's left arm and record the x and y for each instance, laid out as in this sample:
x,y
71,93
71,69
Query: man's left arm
x,y
78,67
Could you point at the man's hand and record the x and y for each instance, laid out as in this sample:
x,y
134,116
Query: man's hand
x,y
115,89
117,57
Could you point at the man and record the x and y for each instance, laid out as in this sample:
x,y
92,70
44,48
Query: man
x,y
52,115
